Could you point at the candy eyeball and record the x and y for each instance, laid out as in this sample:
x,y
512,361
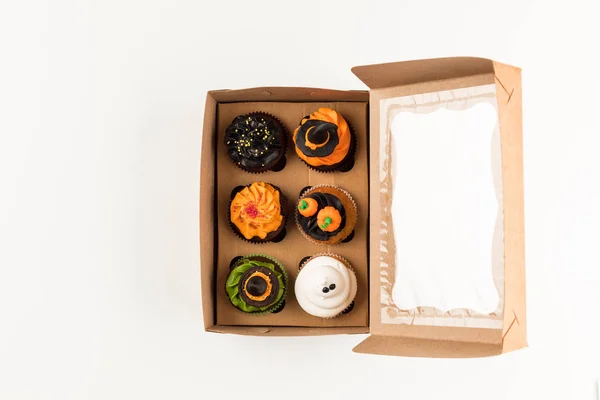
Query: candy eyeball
x,y
325,286
329,283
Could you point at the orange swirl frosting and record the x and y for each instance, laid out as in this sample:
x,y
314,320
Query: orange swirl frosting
x,y
343,132
256,210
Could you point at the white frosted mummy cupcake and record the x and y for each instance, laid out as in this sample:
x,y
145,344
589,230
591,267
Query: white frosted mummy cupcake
x,y
326,286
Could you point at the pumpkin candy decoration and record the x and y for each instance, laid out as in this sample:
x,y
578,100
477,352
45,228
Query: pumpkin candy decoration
x,y
329,219
326,214
308,207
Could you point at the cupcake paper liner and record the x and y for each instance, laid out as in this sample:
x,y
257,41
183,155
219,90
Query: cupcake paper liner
x,y
347,264
281,301
284,143
283,211
297,213
327,169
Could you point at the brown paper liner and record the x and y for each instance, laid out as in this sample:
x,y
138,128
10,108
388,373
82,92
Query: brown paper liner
x,y
284,143
347,264
326,169
283,206
279,304
350,222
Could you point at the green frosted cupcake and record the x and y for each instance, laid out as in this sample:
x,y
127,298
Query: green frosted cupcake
x,y
257,284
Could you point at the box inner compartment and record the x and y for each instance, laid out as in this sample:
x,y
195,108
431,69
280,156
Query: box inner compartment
x,y
291,180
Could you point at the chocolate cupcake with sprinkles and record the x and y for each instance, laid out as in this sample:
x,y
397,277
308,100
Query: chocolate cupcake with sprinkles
x,y
325,141
256,142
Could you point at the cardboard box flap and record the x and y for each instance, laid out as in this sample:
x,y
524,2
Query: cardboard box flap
x,y
410,347
508,92
379,76
410,78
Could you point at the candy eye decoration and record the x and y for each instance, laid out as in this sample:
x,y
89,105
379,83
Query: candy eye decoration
x,y
325,286
327,289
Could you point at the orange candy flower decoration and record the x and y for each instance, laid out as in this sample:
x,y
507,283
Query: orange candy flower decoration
x,y
329,219
256,210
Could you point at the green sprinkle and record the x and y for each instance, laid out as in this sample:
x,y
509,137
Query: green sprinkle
x,y
303,205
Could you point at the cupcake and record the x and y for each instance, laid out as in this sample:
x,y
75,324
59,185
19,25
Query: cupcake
x,y
257,212
256,142
325,142
326,214
326,286
256,284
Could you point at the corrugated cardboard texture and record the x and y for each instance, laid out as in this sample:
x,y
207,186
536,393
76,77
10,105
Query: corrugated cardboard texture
x,y
295,176
424,76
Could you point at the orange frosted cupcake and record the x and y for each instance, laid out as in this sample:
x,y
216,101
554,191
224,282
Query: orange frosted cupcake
x,y
258,212
325,141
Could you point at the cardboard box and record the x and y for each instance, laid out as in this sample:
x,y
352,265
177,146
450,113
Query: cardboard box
x,y
362,109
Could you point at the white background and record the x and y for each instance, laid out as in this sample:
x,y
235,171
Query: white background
x,y
101,108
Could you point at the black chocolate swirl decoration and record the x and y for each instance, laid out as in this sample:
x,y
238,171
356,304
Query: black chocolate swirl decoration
x,y
253,141
309,224
322,135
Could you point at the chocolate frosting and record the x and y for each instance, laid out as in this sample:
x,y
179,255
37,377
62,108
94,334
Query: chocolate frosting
x,y
254,141
258,286
309,224
319,132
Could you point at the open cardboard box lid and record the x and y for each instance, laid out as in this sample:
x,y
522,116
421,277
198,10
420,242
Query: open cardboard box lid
x,y
388,81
